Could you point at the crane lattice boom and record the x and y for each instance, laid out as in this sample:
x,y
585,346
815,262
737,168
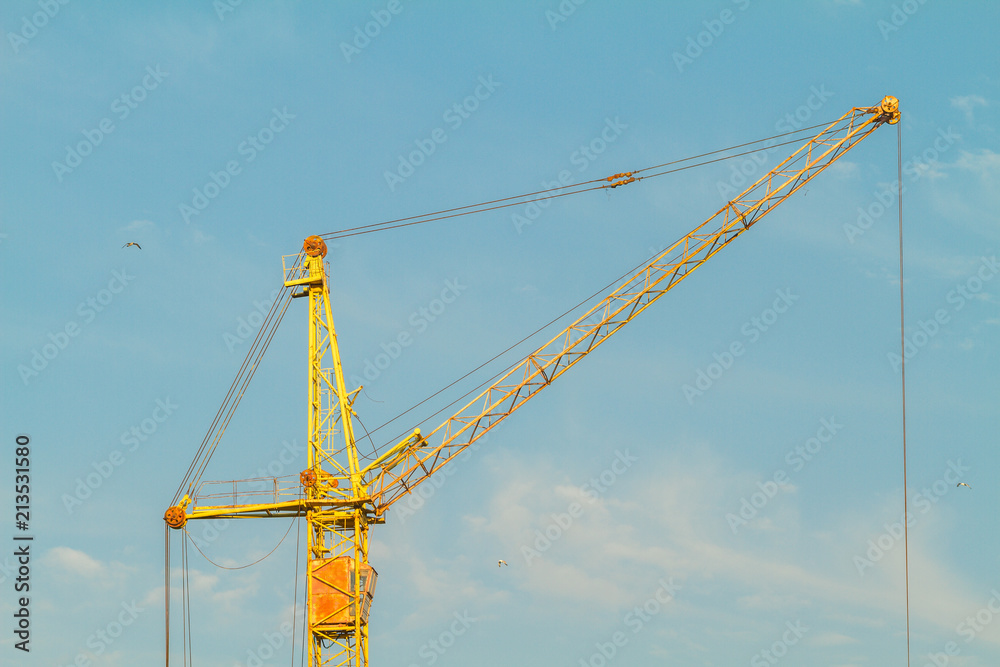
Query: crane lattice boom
x,y
595,326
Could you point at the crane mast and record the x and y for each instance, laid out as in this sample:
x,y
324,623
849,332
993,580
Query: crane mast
x,y
341,500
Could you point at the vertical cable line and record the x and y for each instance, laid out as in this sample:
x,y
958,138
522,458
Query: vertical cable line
x,y
166,589
306,645
185,602
295,598
902,355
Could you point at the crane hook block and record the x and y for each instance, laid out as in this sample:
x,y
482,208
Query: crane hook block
x,y
890,107
314,246
175,517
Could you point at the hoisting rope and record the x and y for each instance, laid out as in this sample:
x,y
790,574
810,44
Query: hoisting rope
x,y
576,188
295,585
186,603
166,590
902,356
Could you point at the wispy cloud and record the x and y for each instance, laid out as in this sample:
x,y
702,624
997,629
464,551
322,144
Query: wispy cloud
x,y
445,586
73,565
138,225
75,562
967,104
675,525
201,237
984,163
844,168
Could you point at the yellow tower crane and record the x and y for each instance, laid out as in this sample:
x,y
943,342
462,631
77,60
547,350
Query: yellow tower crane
x,y
340,499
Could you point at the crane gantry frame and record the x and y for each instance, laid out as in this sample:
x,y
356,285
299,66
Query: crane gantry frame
x,y
341,499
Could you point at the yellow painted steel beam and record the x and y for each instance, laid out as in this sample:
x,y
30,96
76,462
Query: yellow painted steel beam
x,y
291,508
657,277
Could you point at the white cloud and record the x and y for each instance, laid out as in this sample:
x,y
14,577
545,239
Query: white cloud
x,y
138,225
985,163
831,639
74,562
445,587
844,168
860,621
208,592
967,104
645,527
75,566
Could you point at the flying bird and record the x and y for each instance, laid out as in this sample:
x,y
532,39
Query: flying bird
x,y
501,563
132,243
963,484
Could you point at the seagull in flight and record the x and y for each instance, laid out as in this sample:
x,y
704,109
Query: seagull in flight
x,y
132,243
501,563
963,484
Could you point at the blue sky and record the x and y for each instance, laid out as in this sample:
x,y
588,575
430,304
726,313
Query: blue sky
x,y
219,139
